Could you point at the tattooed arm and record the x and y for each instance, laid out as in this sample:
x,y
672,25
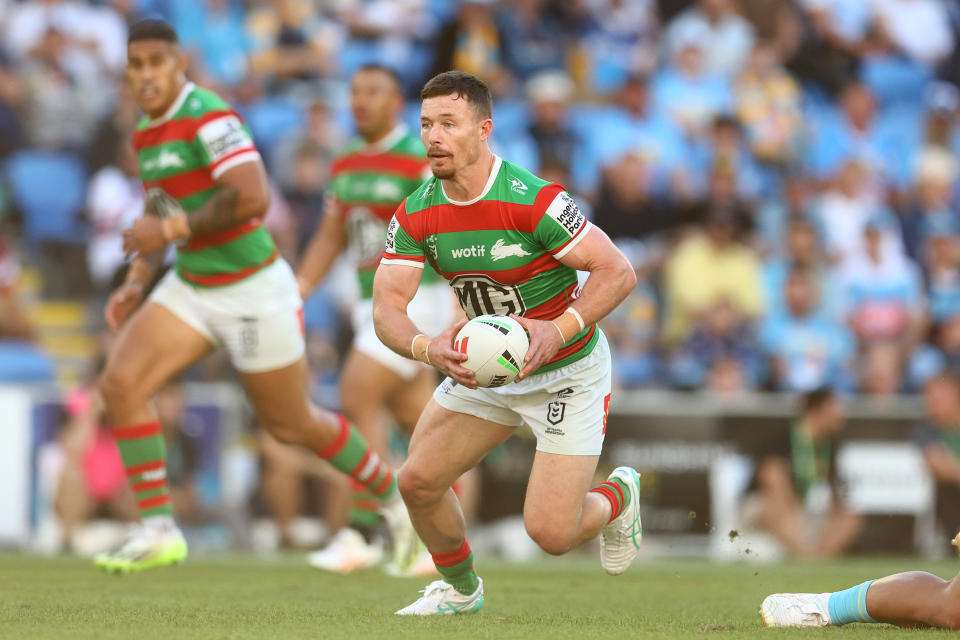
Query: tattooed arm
x,y
243,194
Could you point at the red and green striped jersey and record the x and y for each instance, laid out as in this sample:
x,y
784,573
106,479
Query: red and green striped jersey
x,y
500,251
368,181
183,152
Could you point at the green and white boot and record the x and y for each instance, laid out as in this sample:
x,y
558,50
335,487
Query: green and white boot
x,y
620,540
441,599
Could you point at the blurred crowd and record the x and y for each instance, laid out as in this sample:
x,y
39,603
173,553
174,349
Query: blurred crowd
x,y
783,173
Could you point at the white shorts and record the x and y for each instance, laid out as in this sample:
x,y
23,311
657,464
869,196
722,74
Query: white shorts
x,y
431,310
566,408
259,319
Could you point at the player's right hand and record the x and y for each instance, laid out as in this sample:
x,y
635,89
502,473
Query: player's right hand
x,y
956,541
447,360
122,303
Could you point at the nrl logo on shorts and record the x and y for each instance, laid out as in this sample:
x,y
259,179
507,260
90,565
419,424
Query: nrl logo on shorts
x,y
518,186
557,409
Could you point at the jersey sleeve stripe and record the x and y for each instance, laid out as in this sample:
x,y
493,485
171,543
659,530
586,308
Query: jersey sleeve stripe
x,y
241,156
403,262
183,129
181,185
567,246
217,238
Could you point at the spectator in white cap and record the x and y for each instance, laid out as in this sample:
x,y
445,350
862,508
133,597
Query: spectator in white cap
x,y
933,201
726,37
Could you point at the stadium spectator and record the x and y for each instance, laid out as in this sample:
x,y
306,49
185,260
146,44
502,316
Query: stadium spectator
x,y
320,133
626,206
721,353
842,212
767,102
832,45
709,266
726,38
686,90
941,266
881,369
939,438
91,480
802,251
857,131
532,38
881,291
115,199
806,349
632,330
620,40
14,323
305,192
12,96
723,151
776,22
113,129
917,29
472,43
933,204
214,33
548,95
636,124
62,103
795,493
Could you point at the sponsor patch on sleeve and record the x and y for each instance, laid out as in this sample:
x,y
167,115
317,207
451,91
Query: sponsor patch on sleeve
x,y
566,213
224,137
391,244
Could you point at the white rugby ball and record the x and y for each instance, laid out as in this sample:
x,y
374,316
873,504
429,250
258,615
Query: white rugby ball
x,y
495,347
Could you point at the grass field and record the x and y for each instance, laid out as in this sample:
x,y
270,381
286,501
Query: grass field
x,y
241,597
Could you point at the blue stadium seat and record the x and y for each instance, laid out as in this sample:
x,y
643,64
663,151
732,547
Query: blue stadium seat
x,y
48,188
270,119
22,362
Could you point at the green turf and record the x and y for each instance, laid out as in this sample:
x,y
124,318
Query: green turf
x,y
240,597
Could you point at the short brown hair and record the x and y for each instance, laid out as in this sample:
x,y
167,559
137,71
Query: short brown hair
x,y
467,86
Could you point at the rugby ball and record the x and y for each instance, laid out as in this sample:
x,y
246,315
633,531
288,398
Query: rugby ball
x,y
495,347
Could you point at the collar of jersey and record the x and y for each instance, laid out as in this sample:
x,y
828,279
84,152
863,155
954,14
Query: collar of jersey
x,y
181,98
497,161
386,142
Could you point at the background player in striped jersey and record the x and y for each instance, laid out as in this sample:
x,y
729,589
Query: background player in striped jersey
x,y
509,243
368,180
207,192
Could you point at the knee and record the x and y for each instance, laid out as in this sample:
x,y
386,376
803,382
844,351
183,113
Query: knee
x,y
418,487
116,386
284,431
555,540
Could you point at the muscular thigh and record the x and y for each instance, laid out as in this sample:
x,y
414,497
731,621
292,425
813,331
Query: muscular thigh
x,y
445,444
153,346
366,383
280,397
556,488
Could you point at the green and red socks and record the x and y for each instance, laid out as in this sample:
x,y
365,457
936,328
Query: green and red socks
x,y
145,458
364,508
617,493
350,454
457,569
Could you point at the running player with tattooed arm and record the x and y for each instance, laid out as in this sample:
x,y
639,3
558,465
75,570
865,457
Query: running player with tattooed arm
x,y
509,243
207,192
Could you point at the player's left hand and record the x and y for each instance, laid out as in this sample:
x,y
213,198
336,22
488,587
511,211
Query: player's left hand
x,y
145,236
956,541
545,341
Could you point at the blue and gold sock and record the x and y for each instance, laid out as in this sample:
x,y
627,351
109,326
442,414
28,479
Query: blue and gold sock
x,y
850,605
